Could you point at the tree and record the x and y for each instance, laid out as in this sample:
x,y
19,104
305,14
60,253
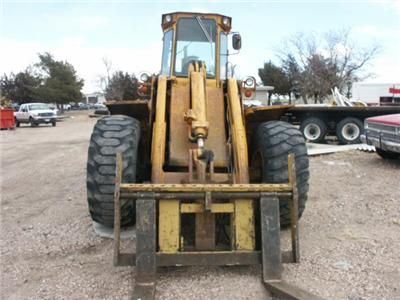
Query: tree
x,y
273,75
104,79
318,77
21,87
46,81
326,61
60,82
122,86
293,75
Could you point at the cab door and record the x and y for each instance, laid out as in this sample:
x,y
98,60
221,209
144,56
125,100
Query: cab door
x,y
24,113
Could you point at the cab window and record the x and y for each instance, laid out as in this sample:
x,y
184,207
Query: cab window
x,y
166,55
224,55
195,42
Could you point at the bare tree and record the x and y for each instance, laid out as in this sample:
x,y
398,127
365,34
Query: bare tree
x,y
325,61
104,79
349,60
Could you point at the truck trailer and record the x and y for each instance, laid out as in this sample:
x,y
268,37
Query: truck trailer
x,y
343,119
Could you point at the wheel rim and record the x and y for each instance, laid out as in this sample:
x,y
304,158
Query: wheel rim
x,y
350,131
312,132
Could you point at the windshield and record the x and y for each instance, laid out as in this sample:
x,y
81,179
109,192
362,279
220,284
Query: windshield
x,y
195,41
38,106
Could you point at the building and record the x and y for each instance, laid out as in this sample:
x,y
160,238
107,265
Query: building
x,y
377,93
95,98
258,97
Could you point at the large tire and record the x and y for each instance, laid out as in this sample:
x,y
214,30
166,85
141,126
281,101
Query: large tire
x,y
349,130
314,129
274,141
111,134
387,154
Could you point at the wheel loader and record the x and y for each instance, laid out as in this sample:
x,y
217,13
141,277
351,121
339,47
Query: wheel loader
x,y
205,180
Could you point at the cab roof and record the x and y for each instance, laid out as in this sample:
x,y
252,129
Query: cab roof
x,y
174,15
195,14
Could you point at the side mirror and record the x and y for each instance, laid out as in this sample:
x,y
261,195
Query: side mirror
x,y
236,41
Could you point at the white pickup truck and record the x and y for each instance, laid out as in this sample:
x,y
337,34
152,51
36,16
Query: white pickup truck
x,y
35,114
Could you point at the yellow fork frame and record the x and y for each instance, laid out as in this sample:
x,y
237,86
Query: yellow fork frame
x,y
147,258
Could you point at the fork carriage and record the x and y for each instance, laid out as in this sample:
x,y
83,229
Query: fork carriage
x,y
205,198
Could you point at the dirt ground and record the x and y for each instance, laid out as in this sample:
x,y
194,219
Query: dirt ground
x,y
350,231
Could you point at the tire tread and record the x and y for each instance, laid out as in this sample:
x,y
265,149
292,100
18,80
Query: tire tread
x,y
275,140
111,134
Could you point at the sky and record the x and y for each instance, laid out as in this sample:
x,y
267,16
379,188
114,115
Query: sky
x,y
128,32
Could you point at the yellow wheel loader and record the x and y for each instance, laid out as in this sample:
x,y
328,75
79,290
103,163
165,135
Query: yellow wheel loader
x,y
206,181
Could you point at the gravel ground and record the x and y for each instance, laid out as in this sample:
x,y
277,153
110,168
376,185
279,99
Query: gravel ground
x,y
350,231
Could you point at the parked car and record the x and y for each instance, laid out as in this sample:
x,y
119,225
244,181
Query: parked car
x,y
99,106
384,133
35,114
15,106
54,109
74,106
83,106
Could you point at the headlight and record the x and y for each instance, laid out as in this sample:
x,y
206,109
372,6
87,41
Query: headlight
x,y
249,81
248,93
225,21
144,77
167,18
366,125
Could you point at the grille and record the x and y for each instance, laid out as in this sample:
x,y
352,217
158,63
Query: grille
x,y
382,127
46,114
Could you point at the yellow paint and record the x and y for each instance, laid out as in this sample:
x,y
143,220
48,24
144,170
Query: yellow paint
x,y
216,208
206,187
243,218
199,123
159,132
291,169
182,81
169,216
169,225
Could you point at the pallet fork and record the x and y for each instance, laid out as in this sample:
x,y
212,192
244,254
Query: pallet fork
x,y
147,259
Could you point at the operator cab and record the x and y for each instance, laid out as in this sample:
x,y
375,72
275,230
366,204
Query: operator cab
x,y
190,37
